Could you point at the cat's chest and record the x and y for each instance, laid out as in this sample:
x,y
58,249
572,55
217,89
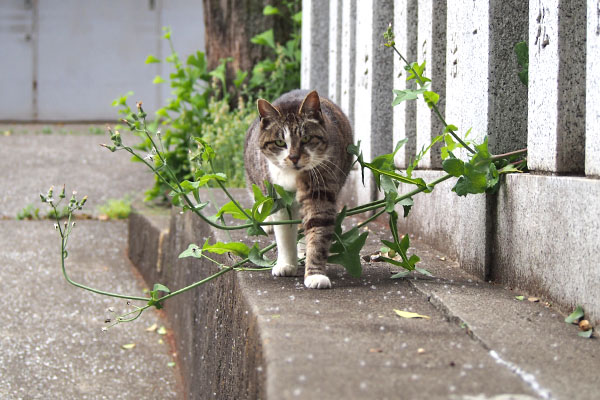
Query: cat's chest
x,y
285,178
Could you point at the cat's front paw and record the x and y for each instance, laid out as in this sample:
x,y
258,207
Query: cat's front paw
x,y
317,281
284,270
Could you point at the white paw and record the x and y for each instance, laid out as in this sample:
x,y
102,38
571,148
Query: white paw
x,y
284,270
317,281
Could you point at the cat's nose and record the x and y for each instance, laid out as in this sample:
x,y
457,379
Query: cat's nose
x,y
294,158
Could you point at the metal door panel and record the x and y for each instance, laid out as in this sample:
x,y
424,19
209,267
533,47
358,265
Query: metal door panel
x,y
16,60
91,52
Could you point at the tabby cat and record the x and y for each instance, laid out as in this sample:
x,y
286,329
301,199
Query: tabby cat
x,y
300,142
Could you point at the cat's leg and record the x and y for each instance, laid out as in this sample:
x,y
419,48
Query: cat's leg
x,y
285,236
319,220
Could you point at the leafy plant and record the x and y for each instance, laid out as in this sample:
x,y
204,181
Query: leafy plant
x,y
272,77
28,212
202,106
116,208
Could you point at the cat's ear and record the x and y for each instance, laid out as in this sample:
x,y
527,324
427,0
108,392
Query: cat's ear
x,y
267,112
311,107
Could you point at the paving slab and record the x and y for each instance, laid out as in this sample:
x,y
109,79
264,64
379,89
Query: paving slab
x,y
51,339
31,161
479,342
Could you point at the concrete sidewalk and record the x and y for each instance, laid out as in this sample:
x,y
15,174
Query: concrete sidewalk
x,y
51,339
32,162
271,338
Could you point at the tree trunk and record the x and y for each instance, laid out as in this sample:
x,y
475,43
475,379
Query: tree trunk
x,y
229,26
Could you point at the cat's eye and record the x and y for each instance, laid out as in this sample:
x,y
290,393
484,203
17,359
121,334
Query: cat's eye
x,y
305,138
280,143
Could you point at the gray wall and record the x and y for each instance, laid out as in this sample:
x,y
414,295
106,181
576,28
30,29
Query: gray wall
x,y
67,60
540,232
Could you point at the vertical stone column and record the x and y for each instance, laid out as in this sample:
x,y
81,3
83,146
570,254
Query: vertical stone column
x,y
431,49
556,115
483,90
335,56
374,75
405,31
467,67
348,58
592,96
507,95
315,45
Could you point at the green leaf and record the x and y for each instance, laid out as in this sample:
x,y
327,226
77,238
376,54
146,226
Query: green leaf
x,y
232,209
407,204
297,17
167,32
585,334
262,209
349,258
151,59
204,179
575,316
241,76
193,250
520,298
400,246
453,166
423,271
237,248
257,259
431,98
160,288
415,71
270,10
158,79
287,197
396,176
162,330
264,39
401,274
405,95
449,128
255,230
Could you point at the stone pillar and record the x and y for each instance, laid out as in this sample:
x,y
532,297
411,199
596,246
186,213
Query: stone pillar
x,y
507,95
592,96
315,45
335,56
431,48
348,58
556,117
374,75
467,67
483,90
405,31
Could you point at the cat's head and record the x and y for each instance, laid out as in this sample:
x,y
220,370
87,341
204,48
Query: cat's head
x,y
293,139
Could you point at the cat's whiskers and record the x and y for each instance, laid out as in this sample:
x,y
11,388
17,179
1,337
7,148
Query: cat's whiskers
x,y
312,182
326,160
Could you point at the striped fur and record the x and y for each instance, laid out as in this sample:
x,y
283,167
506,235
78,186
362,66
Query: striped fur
x,y
300,142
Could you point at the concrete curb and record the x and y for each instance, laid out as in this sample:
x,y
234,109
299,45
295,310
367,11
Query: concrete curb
x,y
249,335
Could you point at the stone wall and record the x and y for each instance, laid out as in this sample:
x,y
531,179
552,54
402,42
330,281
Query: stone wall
x,y
540,232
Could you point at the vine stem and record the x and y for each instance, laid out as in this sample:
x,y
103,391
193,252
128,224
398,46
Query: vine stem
x,y
434,106
63,248
509,154
405,196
